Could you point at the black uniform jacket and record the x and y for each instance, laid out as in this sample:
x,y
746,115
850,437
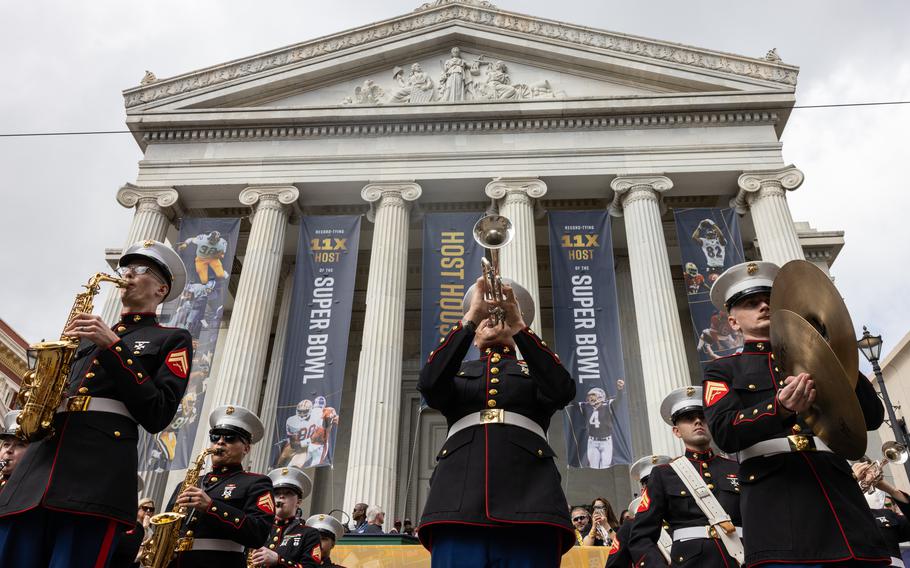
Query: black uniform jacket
x,y
124,555
89,465
895,528
297,545
666,499
619,550
242,511
796,506
496,474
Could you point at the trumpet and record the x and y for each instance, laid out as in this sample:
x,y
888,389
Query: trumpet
x,y
493,232
893,452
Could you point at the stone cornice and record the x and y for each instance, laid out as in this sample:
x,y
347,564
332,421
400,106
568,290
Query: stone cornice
x,y
365,129
546,30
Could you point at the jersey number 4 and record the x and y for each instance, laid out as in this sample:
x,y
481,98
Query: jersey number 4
x,y
595,419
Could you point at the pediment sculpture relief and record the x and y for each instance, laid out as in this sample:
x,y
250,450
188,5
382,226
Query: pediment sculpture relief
x,y
460,80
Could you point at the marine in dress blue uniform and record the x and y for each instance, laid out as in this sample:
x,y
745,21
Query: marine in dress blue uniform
x,y
330,530
667,500
74,492
234,509
620,555
12,447
495,496
290,543
800,503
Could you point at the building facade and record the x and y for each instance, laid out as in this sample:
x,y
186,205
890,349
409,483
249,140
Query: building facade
x,y
449,108
13,365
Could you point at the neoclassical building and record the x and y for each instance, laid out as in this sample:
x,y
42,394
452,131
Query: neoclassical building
x,y
445,109
13,365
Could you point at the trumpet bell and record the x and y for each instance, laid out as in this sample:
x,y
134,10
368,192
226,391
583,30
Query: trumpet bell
x,y
895,452
493,231
522,296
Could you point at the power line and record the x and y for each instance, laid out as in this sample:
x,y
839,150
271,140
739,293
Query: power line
x,y
95,132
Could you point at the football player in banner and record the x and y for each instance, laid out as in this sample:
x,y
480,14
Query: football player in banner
x,y
495,497
800,503
74,492
598,413
233,509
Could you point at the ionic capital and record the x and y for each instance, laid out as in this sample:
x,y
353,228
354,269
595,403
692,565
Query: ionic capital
x,y
523,187
271,197
389,194
627,189
164,200
752,185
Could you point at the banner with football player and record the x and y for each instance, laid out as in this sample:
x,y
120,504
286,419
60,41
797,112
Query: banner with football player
x,y
207,247
586,323
709,243
317,341
451,264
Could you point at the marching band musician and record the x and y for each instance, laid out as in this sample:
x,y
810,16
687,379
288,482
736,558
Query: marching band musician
x,y
673,497
233,509
895,528
12,448
291,542
800,502
330,530
495,495
74,492
620,556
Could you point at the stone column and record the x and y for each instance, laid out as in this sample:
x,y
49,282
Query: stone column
x,y
371,473
663,355
268,412
765,194
240,374
155,208
519,258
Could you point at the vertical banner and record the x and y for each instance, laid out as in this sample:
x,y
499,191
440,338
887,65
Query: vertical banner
x,y
451,264
207,247
317,341
709,243
586,322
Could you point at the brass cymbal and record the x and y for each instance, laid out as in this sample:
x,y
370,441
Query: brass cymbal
x,y
836,416
802,288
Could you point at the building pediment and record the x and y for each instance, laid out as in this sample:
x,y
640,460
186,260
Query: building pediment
x,y
504,57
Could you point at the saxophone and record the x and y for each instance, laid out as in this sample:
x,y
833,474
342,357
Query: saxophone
x,y
43,387
166,541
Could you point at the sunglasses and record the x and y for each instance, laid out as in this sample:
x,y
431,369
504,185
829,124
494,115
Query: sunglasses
x,y
228,438
579,519
147,509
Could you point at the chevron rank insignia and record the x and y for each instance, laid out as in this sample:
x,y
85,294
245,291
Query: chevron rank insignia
x,y
645,503
266,504
714,391
178,362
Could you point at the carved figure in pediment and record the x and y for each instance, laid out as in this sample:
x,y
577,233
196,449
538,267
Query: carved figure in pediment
x,y
148,78
418,88
367,94
498,85
773,56
455,84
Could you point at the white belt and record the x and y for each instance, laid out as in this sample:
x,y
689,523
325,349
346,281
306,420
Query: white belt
x,y
496,416
783,446
897,562
216,544
85,403
699,532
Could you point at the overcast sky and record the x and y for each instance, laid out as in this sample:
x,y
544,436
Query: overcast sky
x,y
66,63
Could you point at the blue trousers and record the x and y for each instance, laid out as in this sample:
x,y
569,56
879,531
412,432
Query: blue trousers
x,y
522,546
41,538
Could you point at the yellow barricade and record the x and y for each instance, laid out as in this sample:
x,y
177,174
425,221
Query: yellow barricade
x,y
398,556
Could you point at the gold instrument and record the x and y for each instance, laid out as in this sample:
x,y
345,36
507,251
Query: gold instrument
x,y
812,332
249,559
165,542
43,386
893,452
493,232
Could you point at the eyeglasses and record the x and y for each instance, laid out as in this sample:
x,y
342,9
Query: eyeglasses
x,y
138,270
147,508
579,519
228,438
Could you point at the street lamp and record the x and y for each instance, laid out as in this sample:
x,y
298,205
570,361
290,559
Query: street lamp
x,y
871,348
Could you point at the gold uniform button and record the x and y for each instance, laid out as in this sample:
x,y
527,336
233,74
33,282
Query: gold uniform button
x,y
494,381
136,352
225,514
190,533
761,346
707,474
710,486
540,453
121,328
129,361
116,433
460,373
770,406
505,349
772,356
236,519
544,343
214,480
683,493
780,383
754,411
704,465
796,429
441,339
118,348
491,403
89,375
742,416
94,361
83,390
752,387
776,369
680,559
272,546
139,375
137,318
494,371
275,539
444,452
751,478
494,392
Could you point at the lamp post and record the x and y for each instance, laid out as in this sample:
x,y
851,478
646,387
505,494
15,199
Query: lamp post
x,y
871,347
